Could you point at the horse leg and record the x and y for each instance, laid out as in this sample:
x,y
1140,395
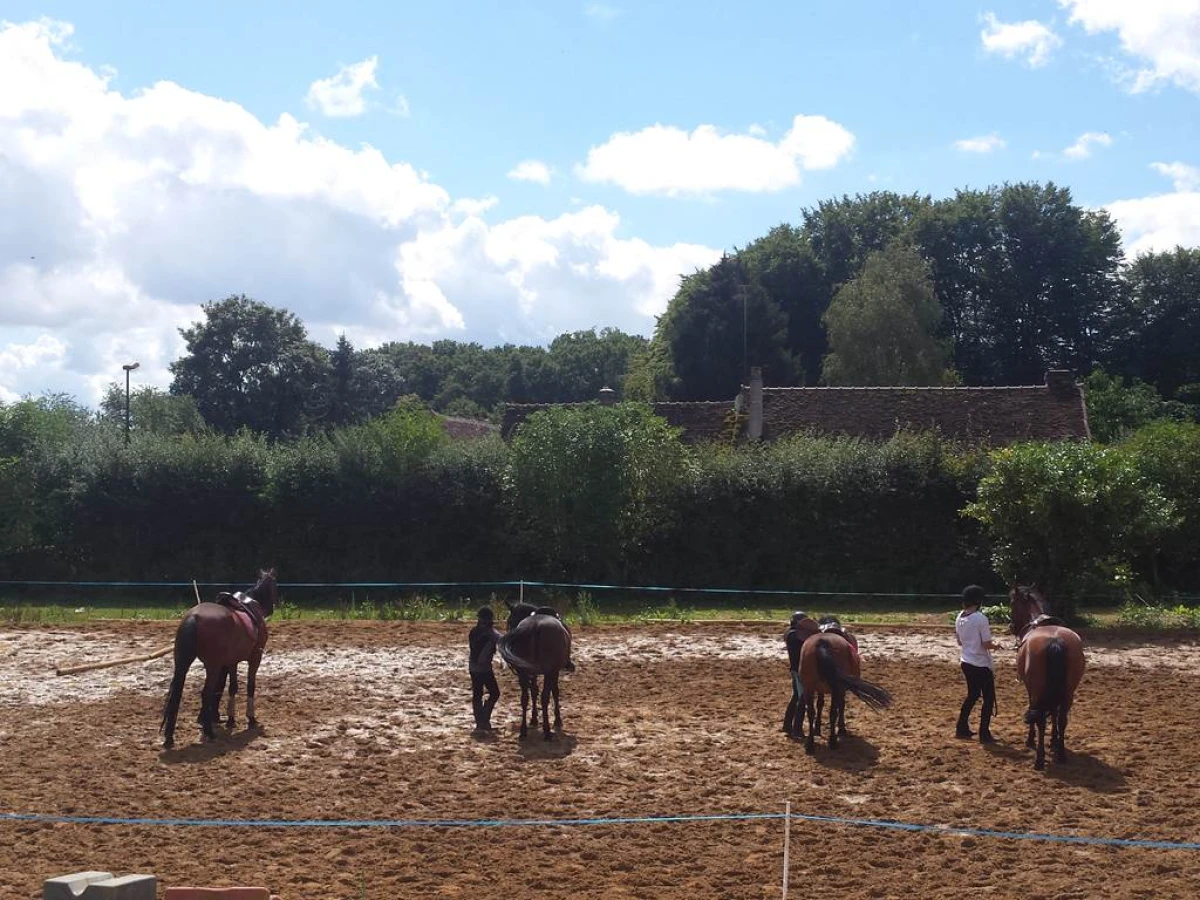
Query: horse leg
x,y
842,717
810,708
820,714
185,655
836,701
547,681
1040,762
210,700
251,677
1060,748
524,705
557,708
231,707
533,700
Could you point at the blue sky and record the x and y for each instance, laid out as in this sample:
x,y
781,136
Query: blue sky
x,y
919,96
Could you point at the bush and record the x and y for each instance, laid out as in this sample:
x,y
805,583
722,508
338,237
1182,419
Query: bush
x,y
1069,516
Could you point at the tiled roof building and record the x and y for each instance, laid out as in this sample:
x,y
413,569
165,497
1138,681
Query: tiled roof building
x,y
985,416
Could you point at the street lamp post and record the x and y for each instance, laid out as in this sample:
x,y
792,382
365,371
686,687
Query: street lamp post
x,y
128,368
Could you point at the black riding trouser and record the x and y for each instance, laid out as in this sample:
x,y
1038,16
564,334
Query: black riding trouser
x,y
981,682
795,707
481,681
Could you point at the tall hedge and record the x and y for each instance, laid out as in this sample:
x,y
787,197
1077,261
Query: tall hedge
x,y
601,493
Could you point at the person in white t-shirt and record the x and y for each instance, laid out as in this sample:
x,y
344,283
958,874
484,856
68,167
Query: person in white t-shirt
x,y
975,639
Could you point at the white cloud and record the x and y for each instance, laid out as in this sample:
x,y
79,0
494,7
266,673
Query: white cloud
x,y
666,160
1163,37
984,144
341,95
1185,177
1029,40
1082,148
137,208
601,12
400,106
16,359
1164,221
531,170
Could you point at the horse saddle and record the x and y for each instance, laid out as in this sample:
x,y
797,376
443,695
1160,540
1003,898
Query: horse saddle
x,y
247,614
834,628
1047,619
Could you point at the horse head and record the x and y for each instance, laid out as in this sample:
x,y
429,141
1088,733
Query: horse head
x,y
265,590
519,612
1025,603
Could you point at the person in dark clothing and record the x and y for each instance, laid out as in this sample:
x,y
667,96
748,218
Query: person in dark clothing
x,y
794,638
482,641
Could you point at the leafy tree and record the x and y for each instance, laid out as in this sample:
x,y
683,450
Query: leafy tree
x,y
1071,517
1155,331
721,322
1168,454
787,268
1026,277
151,411
882,324
584,481
249,365
47,420
1116,409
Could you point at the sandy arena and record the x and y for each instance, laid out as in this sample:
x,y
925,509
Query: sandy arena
x,y
370,720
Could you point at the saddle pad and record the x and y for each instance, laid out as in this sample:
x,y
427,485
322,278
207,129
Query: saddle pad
x,y
247,624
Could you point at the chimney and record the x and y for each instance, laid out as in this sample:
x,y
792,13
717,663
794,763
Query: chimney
x,y
607,396
1061,382
754,427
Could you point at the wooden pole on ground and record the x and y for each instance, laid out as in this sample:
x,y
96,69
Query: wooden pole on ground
x,y
91,667
787,836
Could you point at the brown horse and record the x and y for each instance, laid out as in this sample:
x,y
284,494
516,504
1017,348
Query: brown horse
x,y
221,635
827,664
537,643
1050,663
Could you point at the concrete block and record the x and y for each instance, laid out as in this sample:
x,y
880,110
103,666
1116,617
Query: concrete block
x,y
127,887
70,887
229,893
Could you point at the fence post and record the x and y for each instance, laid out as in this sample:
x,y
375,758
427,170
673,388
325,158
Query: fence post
x,y
787,836
522,596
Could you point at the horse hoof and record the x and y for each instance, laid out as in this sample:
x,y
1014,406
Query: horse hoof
x,y
231,723
809,749
252,723
168,744
1040,765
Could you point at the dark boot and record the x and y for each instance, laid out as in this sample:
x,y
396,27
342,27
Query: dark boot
x,y
963,730
985,719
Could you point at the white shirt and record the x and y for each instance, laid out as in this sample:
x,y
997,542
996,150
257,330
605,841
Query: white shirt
x,y
973,634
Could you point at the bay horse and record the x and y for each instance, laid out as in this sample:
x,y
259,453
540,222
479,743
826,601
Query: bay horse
x,y
1050,664
537,643
827,666
221,634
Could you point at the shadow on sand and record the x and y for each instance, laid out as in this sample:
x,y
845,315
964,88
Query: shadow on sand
x,y
537,747
214,749
853,753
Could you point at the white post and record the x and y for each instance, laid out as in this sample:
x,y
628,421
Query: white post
x,y
787,836
522,598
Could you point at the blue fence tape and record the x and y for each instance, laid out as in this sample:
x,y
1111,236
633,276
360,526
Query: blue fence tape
x,y
888,824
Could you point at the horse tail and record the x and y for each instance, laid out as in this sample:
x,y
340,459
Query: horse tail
x,y
511,658
185,654
871,694
1054,690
